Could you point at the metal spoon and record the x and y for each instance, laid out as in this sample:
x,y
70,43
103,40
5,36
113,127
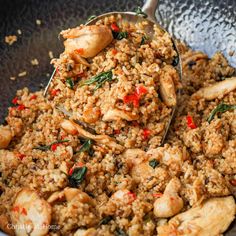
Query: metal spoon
x,y
149,9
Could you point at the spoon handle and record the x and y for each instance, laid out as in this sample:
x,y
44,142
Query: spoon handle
x,y
150,7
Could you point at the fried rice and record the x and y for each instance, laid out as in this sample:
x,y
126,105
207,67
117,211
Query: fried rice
x,y
86,159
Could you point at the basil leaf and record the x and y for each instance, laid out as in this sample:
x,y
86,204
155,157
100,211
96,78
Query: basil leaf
x,y
43,147
99,79
87,146
153,163
120,232
120,35
70,83
139,12
105,220
77,176
221,108
144,39
48,147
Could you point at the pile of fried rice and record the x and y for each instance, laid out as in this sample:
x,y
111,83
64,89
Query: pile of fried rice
x,y
88,158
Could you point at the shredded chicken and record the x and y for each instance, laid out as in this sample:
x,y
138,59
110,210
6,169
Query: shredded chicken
x,y
87,41
31,211
216,90
167,86
73,128
213,217
116,114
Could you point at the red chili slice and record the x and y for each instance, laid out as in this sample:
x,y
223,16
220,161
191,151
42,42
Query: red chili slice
x,y
115,27
146,133
190,122
21,107
15,100
33,97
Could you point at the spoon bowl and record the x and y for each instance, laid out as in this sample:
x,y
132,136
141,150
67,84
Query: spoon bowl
x,y
147,14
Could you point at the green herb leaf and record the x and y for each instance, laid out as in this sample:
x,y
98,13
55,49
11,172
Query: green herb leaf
x,y
221,108
48,147
139,12
91,18
77,176
144,39
87,146
153,163
99,79
70,83
43,147
120,35
105,220
120,232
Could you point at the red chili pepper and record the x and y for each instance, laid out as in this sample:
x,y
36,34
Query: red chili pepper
x,y
116,131
54,92
146,133
16,209
233,182
115,27
15,100
80,51
132,196
33,97
190,122
141,90
71,171
21,156
133,98
114,51
79,164
54,146
157,194
23,211
21,107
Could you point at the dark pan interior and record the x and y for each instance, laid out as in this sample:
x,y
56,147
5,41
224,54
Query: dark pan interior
x,y
207,25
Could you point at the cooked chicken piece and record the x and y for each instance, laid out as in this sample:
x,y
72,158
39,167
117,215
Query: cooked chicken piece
x,y
78,59
5,136
168,156
141,171
167,86
31,211
193,58
87,41
91,114
212,218
86,232
73,128
169,203
134,156
116,114
4,225
216,90
69,194
8,160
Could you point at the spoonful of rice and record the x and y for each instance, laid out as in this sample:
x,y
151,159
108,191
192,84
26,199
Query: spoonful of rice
x,y
154,61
